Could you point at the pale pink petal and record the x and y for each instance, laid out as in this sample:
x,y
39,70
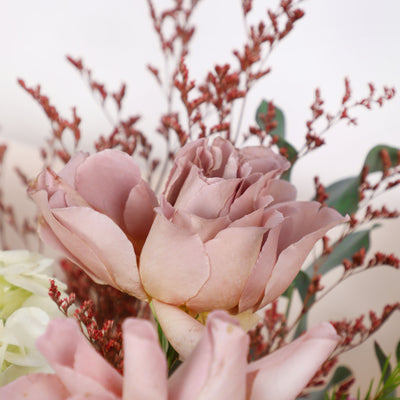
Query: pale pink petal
x,y
139,211
55,233
217,367
281,191
172,257
256,196
67,174
76,363
232,253
205,228
283,374
261,159
255,285
181,330
105,180
207,198
308,222
35,387
145,367
108,242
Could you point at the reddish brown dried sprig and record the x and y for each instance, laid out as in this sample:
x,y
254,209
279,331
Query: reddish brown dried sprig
x,y
59,125
314,135
100,310
109,303
354,332
321,194
269,334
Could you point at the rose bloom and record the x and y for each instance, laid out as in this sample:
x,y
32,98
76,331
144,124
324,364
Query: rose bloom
x,y
97,211
228,234
216,370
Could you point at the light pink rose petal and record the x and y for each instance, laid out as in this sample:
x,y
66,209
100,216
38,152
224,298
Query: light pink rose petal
x,y
254,197
108,242
207,198
77,364
172,258
281,191
54,233
261,159
283,374
307,223
205,228
255,286
232,253
105,180
181,330
213,370
35,387
145,367
139,211
67,174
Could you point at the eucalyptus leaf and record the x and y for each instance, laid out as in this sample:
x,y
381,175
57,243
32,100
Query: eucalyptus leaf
x,y
383,361
398,352
343,195
345,249
301,326
374,161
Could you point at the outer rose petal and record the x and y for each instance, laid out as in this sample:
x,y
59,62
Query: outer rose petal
x,y
283,374
217,367
105,180
34,387
171,258
108,242
145,368
300,231
181,330
232,253
77,364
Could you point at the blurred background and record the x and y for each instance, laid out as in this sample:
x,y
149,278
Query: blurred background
x,y
357,39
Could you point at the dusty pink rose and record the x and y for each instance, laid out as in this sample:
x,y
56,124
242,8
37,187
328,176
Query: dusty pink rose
x,y
97,211
216,370
228,234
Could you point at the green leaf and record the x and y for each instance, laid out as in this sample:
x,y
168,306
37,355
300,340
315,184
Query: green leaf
x,y
279,118
301,283
398,352
343,195
374,161
301,326
345,249
383,361
341,373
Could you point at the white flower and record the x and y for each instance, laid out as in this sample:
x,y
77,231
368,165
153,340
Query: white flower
x,y
25,311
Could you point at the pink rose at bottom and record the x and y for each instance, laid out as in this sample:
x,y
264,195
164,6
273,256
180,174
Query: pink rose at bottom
x,y
217,368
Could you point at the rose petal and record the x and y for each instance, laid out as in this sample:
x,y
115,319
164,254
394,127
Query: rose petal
x,y
232,253
206,198
283,374
78,365
108,242
171,258
145,367
105,180
181,330
139,211
213,370
34,387
306,224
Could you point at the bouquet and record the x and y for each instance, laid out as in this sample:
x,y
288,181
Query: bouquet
x,y
188,266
